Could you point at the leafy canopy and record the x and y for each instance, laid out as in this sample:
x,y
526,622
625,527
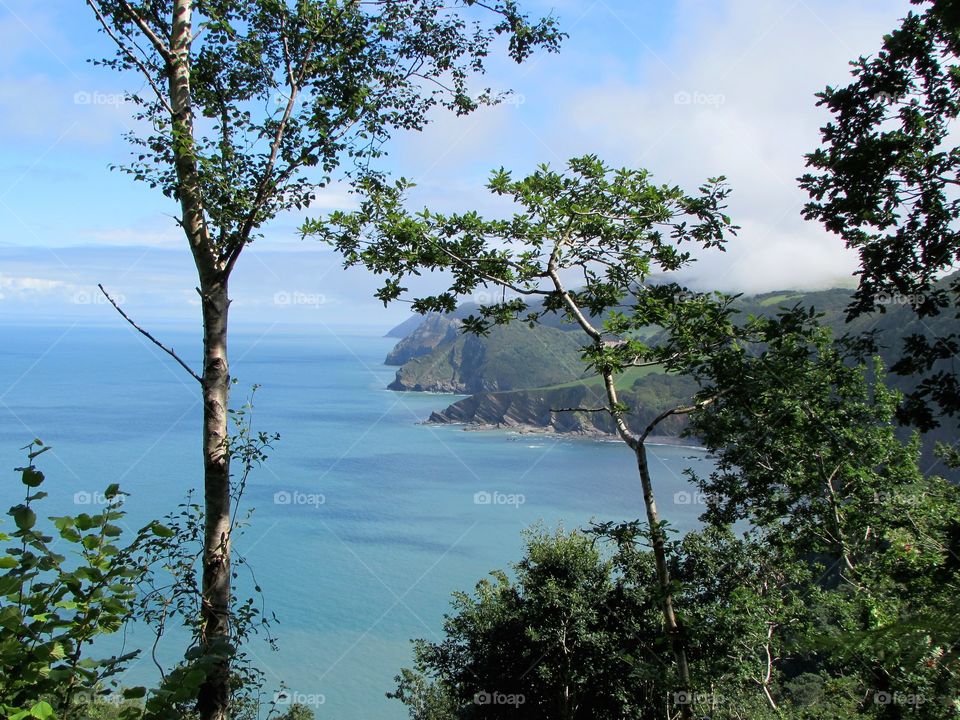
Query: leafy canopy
x,y
886,182
278,87
603,230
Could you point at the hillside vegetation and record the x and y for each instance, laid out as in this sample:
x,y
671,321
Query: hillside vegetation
x,y
510,357
517,375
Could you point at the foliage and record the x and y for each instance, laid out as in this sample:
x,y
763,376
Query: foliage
x,y
835,597
281,90
613,227
807,454
885,181
171,593
548,645
62,588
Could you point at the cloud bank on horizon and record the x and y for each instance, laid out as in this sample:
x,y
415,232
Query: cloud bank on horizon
x,y
686,89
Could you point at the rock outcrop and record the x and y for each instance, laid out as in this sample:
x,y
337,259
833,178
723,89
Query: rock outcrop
x,y
548,409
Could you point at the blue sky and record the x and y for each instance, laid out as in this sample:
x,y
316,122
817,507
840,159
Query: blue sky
x,y
687,89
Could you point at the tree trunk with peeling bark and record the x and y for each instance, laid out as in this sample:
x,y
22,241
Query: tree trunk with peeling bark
x,y
213,699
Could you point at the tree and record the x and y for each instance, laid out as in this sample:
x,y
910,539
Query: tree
x,y
577,633
807,455
252,105
609,229
555,644
885,181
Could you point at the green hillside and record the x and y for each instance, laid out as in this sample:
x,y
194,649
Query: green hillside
x,y
509,357
517,373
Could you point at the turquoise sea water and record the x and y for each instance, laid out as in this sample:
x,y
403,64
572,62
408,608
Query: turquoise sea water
x,y
365,521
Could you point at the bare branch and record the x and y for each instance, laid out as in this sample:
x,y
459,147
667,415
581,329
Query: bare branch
x,y
490,278
145,28
582,409
568,300
151,338
681,410
293,83
130,54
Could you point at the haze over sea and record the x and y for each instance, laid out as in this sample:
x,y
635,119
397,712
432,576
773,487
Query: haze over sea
x,y
365,521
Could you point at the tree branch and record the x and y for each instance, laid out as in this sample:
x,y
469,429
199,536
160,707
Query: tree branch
x,y
582,409
130,54
164,51
681,410
151,338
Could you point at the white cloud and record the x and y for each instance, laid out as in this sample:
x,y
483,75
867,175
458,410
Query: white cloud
x,y
735,96
26,288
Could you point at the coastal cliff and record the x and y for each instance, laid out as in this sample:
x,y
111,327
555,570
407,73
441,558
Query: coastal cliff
x,y
542,409
509,357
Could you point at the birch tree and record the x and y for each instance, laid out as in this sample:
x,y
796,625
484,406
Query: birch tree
x,y
583,244
248,107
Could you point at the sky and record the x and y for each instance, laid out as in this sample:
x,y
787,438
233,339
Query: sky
x,y
687,89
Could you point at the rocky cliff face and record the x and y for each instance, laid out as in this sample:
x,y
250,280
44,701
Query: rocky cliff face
x,y
542,409
432,331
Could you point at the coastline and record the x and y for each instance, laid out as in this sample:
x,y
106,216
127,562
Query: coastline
x,y
593,435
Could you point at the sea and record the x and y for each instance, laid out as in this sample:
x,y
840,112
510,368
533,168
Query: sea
x,y
365,520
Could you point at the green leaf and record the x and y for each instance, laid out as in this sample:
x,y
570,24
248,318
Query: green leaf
x,y
31,477
42,711
161,530
24,517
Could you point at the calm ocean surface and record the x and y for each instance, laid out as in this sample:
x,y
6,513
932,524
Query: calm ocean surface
x,y
350,579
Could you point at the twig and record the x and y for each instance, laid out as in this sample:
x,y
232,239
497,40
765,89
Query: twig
x,y
130,54
582,409
150,337
683,410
